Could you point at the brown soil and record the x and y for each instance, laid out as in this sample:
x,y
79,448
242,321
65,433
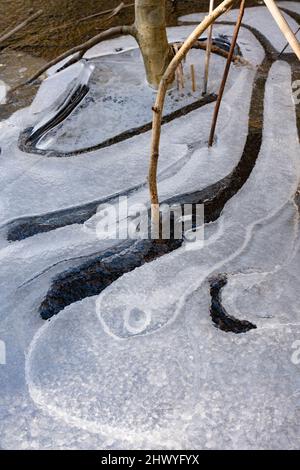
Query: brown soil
x,y
58,29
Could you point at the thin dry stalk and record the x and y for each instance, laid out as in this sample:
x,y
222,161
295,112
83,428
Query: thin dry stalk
x,y
17,28
193,76
226,73
284,26
103,13
208,50
167,79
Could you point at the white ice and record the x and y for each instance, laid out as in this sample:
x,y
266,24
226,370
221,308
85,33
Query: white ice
x,y
293,6
141,366
257,17
155,371
185,165
38,185
119,97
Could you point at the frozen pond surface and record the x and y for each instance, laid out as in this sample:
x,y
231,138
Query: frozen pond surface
x,y
292,6
259,18
38,185
119,98
142,365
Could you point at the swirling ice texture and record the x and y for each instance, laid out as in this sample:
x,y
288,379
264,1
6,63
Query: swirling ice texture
x,y
257,17
271,295
199,169
164,296
100,384
249,388
120,99
185,380
204,168
33,184
181,170
161,286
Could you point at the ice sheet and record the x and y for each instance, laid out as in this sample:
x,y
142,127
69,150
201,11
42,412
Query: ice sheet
x,y
293,6
256,17
120,99
245,385
186,384
34,184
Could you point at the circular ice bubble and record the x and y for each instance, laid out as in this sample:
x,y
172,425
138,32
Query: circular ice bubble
x,y
136,320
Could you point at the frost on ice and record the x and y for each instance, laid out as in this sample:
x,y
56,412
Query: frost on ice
x,y
115,380
258,18
142,365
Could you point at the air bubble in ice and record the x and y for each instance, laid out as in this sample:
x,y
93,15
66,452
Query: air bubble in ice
x,y
136,320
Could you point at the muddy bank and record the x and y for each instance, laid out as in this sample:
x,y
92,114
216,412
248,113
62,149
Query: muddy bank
x,y
58,28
